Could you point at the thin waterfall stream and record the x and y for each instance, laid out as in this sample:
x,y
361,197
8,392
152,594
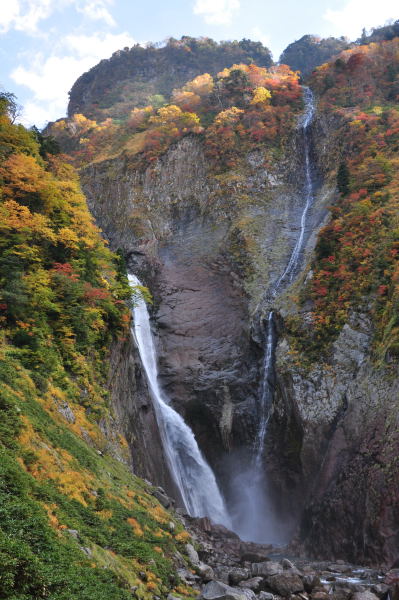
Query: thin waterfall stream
x,y
293,263
266,395
252,511
190,471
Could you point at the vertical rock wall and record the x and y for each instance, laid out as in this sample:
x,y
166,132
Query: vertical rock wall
x,y
209,248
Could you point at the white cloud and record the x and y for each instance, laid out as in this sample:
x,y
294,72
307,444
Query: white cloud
x,y
258,36
98,45
97,10
357,14
51,78
34,114
216,12
8,14
25,15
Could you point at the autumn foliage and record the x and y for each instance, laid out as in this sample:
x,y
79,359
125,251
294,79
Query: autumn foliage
x,y
239,109
357,255
74,520
59,288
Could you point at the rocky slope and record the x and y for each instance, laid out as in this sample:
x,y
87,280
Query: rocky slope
x,y
228,568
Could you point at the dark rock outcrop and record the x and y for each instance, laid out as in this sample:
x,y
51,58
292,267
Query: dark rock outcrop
x,y
348,413
134,415
310,51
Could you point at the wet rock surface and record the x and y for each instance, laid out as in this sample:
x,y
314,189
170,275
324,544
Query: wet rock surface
x,y
279,576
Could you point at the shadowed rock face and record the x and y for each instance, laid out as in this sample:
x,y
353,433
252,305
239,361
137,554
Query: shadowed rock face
x,y
134,415
348,412
207,257
209,251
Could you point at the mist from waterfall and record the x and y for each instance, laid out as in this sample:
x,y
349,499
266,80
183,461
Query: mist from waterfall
x,y
190,471
253,513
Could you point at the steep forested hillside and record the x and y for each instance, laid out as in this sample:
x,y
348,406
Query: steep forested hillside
x,y
356,256
74,521
242,108
139,76
311,51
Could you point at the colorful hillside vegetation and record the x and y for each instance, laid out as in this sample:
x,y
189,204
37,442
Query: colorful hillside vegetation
x,y
74,521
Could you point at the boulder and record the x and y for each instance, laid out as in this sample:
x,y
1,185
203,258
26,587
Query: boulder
x,y
206,572
216,590
222,573
162,498
187,577
265,596
254,583
319,595
338,567
342,593
192,554
265,569
74,533
392,577
380,589
285,584
311,581
365,595
236,575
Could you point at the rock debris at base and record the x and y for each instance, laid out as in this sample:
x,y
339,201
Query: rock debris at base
x,y
226,568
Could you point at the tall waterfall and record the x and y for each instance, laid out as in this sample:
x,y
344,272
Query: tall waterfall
x,y
266,393
191,473
293,263
252,510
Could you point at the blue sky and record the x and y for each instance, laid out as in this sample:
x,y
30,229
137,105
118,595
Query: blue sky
x,y
46,44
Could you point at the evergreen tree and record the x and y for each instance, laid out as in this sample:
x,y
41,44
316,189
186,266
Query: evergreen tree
x,y
343,178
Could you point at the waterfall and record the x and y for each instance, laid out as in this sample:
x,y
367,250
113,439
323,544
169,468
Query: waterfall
x,y
295,257
266,394
253,513
191,473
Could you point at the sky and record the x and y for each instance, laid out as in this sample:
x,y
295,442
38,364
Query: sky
x,y
46,44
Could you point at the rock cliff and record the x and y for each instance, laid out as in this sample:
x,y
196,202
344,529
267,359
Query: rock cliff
x,y
209,247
